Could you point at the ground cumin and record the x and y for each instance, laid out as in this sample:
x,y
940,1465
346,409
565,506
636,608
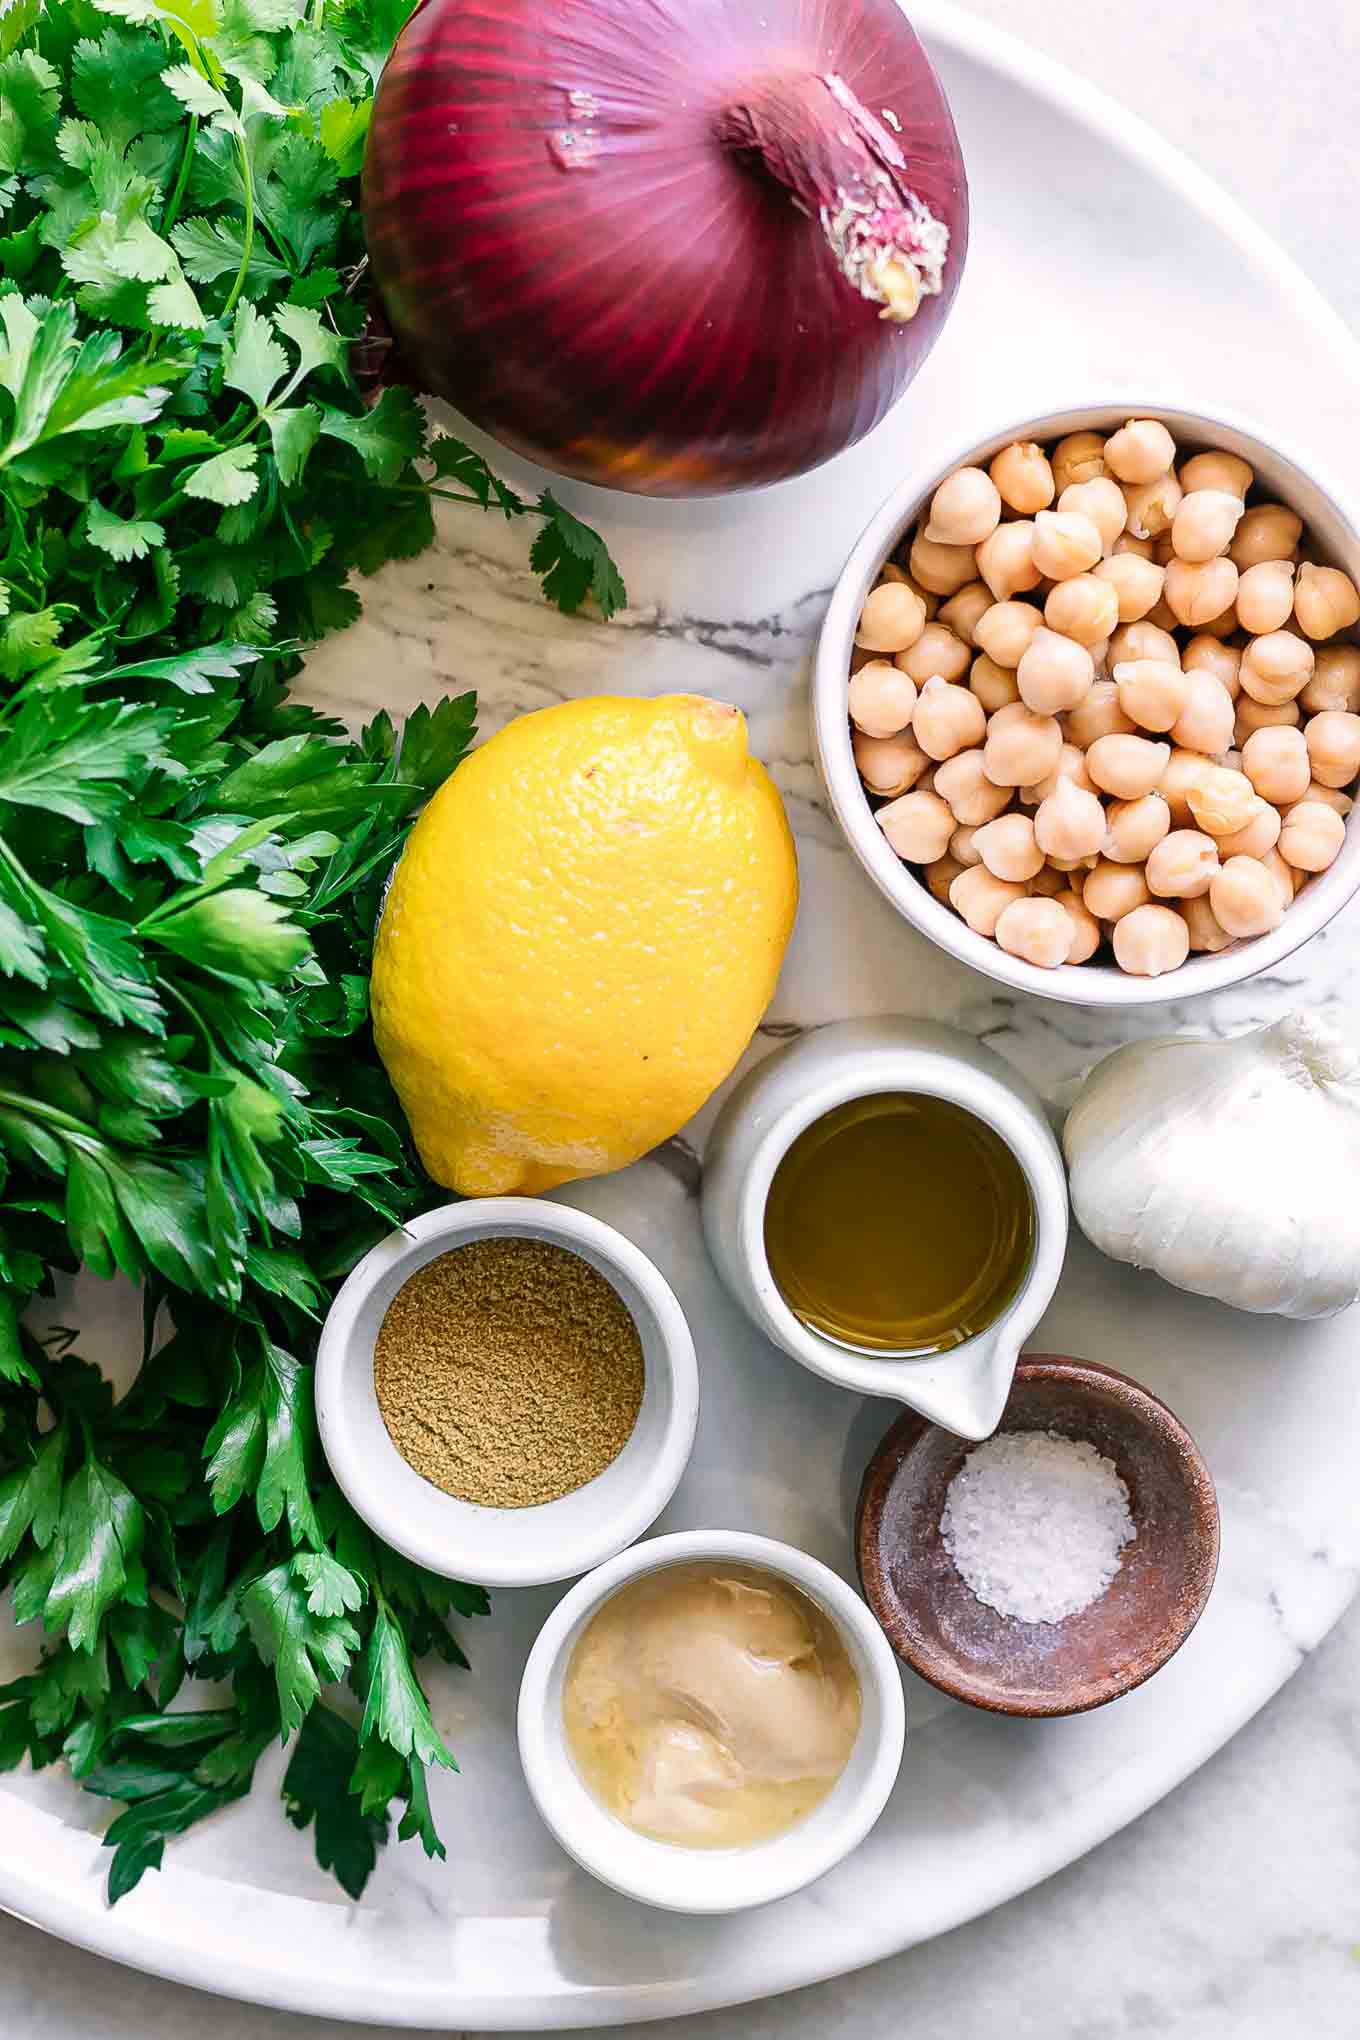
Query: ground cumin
x,y
508,1372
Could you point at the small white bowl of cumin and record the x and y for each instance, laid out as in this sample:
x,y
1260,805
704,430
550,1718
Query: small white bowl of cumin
x,y
507,1391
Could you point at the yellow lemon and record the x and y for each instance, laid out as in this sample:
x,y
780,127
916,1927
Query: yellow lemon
x,y
580,938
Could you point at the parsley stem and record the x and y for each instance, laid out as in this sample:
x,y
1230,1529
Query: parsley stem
x,y
34,1108
185,164
248,237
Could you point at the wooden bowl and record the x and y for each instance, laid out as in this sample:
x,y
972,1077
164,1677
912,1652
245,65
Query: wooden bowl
x,y
932,1619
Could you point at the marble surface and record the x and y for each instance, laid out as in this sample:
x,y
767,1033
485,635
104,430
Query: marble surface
x,y
1162,1930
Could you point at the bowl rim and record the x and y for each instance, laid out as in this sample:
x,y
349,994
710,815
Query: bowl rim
x,y
662,1874
1100,1383
1070,984
364,1477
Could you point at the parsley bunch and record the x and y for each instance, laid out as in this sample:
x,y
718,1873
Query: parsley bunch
x,y
190,872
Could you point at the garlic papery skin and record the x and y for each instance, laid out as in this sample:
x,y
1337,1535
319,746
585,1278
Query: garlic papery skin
x,y
1229,1168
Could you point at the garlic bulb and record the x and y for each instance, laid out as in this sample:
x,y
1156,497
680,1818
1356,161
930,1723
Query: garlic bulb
x,y
1228,1167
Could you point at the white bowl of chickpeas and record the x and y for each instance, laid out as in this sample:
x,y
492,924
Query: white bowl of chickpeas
x,y
1087,704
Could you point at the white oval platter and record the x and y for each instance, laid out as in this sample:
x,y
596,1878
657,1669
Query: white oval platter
x,y
1100,260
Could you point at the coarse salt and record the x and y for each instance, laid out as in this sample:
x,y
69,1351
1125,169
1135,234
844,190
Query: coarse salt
x,y
1036,1524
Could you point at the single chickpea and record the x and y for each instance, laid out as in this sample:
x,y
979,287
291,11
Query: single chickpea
x,y
1071,765
962,611
1102,500
1055,673
1219,799
1038,931
1184,773
881,699
947,719
1261,833
1204,524
1137,584
1276,763
1244,899
1335,682
892,618
1080,457
918,826
1086,939
1048,883
943,569
963,846
973,798
982,898
1259,715
1138,548
1277,667
1021,746
936,655
1127,767
888,765
1286,879
1181,866
1083,608
1112,890
1226,471
1152,691
965,509
1009,849
1325,601
1066,542
1333,740
1023,477
1134,828
940,876
1152,506
1206,721
1144,640
1265,597
1197,595
1207,937
1311,836
994,686
1098,715
1140,452
1006,559
1006,631
1206,654
1151,941
1069,823
1269,532
1331,797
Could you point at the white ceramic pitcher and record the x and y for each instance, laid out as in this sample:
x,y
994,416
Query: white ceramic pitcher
x,y
964,1389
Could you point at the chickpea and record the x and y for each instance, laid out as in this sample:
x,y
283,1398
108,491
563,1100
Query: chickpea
x,y
881,699
982,898
1134,828
1038,931
947,719
1284,876
1311,836
1244,899
1071,765
1152,691
972,796
1151,941
1023,477
1113,890
1184,772
1181,866
965,509
1261,833
1333,740
1336,680
1226,471
1047,883
1276,763
1137,584
1066,542
1009,849
942,569
1055,673
1080,457
1021,746
936,655
1069,824
1219,799
918,826
1269,532
1164,548
1331,797
1127,767
888,765
963,847
993,685
1258,715
1198,594
1137,548
892,618
1102,500
1006,631
1207,655
1098,715
1086,940
1152,506
962,611
1140,452
1006,559
1325,601
1277,667
1206,721
1204,523
1162,614
940,876
1265,597
1145,640
1206,934
1083,608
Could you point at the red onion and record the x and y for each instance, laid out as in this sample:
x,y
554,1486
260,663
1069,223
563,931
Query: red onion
x,y
670,245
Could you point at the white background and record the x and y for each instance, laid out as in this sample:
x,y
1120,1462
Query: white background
x,y
1232,1911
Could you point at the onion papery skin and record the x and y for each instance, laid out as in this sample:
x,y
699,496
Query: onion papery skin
x,y
570,248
